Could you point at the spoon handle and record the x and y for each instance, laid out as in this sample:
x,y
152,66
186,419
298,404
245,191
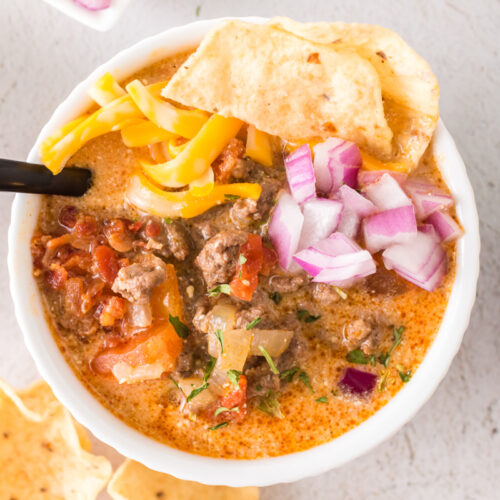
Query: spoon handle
x,y
22,177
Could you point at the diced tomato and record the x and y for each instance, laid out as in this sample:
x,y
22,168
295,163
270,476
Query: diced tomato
x,y
107,264
152,229
246,280
113,308
85,226
227,160
159,346
118,235
135,226
56,277
270,259
236,397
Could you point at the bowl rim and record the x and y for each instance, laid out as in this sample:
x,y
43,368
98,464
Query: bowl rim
x,y
233,472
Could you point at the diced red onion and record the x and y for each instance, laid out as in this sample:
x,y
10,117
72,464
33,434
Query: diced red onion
x,y
336,162
285,228
349,224
389,227
355,201
338,260
429,229
366,177
357,381
94,4
300,174
321,218
386,193
421,261
427,198
445,226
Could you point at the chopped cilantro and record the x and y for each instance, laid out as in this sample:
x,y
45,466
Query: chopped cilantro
x,y
217,290
357,356
385,357
220,338
168,220
258,387
223,409
253,323
322,399
270,405
234,377
218,426
209,368
305,316
175,383
180,328
269,360
288,375
232,196
383,380
196,391
405,376
303,377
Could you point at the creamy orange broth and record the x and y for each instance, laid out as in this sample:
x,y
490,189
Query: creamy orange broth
x,y
148,407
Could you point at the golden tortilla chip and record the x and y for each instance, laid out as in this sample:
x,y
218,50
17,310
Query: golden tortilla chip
x,y
284,85
134,481
40,454
409,87
38,397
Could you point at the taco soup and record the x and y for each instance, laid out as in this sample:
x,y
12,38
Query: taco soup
x,y
268,247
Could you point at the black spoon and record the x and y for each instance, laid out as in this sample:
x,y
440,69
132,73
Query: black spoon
x,y
22,177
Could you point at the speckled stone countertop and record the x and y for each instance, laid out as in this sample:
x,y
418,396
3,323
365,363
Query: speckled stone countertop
x,y
451,449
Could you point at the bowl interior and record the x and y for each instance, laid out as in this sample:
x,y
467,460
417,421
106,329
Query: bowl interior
x,y
261,472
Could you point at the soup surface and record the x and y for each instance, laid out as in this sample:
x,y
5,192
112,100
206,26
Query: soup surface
x,y
112,276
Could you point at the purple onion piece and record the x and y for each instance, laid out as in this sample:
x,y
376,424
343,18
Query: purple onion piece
x,y
358,382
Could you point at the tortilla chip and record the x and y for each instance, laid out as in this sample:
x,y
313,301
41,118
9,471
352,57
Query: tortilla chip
x,y
284,85
40,454
38,397
134,481
409,87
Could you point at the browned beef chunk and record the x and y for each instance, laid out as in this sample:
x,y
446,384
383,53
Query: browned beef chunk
x,y
267,197
285,284
218,258
136,281
227,160
355,333
324,294
177,240
244,212
260,378
246,316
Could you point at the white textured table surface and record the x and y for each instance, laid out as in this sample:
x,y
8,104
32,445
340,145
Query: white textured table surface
x,y
451,449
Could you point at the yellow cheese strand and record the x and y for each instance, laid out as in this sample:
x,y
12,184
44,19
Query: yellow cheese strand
x,y
144,195
144,133
183,122
259,146
105,90
371,163
48,143
198,155
204,184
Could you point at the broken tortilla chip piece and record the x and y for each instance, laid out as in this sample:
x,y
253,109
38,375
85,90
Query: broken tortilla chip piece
x,y
134,481
40,452
284,85
38,397
409,87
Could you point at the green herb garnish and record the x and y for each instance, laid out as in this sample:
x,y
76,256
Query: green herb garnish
x,y
341,292
168,220
270,405
303,377
322,399
218,426
250,325
217,290
405,376
180,328
258,387
357,356
306,316
175,383
383,381
385,357
220,338
196,391
234,377
288,375
276,297
232,196
269,360
223,409
209,368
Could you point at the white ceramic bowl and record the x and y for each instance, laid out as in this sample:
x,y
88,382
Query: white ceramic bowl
x,y
108,428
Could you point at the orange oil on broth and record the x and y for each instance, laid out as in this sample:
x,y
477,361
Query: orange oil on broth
x,y
146,406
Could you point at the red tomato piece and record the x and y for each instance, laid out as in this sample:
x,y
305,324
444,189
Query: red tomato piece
x,y
249,265
270,259
106,262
